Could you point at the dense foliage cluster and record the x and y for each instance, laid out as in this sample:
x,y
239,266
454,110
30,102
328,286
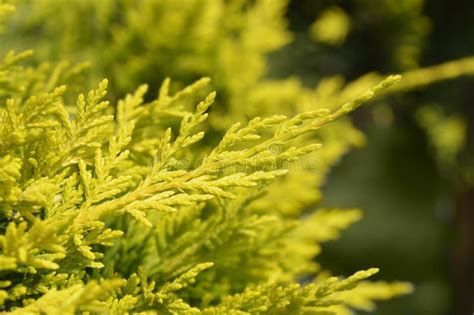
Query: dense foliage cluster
x,y
126,207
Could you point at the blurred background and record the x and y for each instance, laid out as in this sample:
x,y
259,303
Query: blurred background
x,y
415,190
414,177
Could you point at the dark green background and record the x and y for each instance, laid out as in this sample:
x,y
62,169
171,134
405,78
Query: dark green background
x,y
409,229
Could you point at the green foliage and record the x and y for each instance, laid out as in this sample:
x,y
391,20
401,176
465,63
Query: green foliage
x,y
128,208
113,209
195,38
447,134
132,42
331,27
70,183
